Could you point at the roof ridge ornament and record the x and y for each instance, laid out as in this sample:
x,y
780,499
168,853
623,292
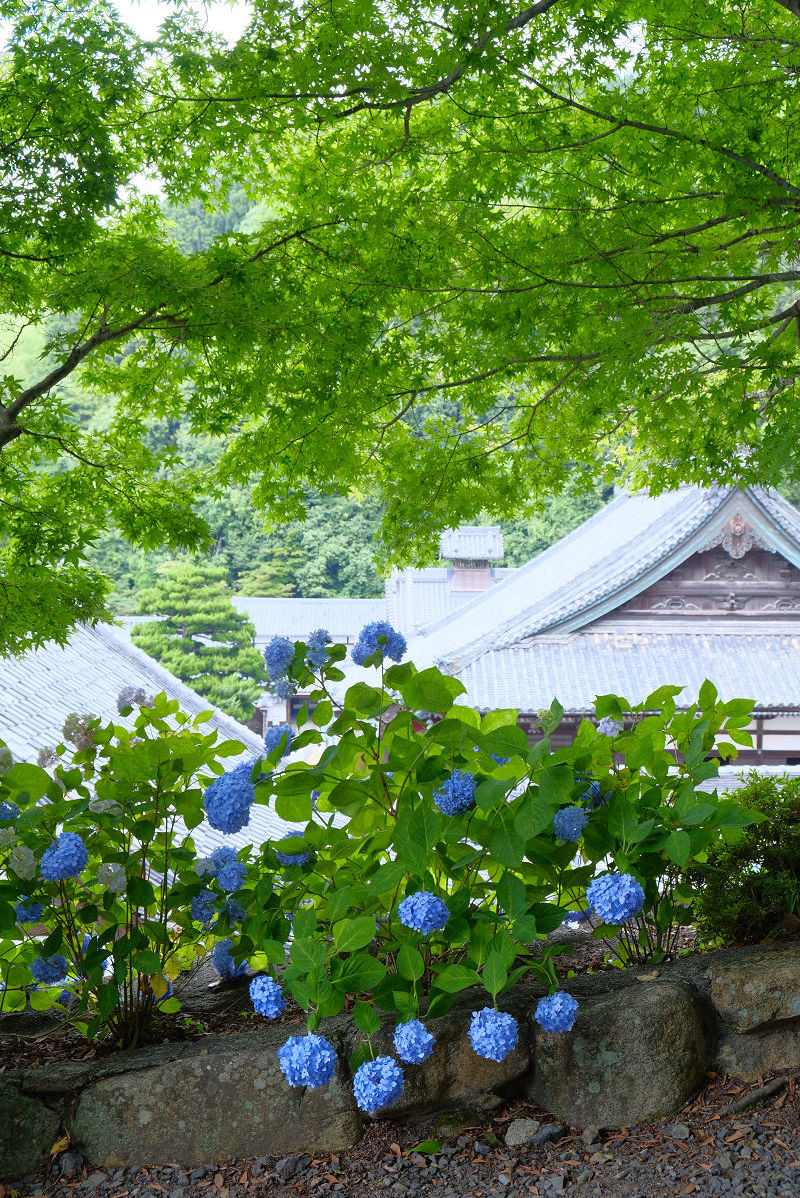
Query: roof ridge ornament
x,y
737,537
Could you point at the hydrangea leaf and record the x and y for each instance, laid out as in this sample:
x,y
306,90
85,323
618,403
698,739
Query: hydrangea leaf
x,y
456,977
353,934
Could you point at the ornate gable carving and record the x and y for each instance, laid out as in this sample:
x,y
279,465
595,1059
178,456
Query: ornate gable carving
x,y
737,538
753,582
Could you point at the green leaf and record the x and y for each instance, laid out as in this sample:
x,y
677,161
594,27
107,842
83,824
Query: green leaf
x,y
507,741
495,974
491,793
697,814
431,690
360,1054
511,895
360,974
708,695
364,700
146,961
417,831
456,977
140,892
504,842
548,917
353,934
322,713
410,964
555,785
366,1018
623,818
533,816
294,808
308,955
24,778
678,847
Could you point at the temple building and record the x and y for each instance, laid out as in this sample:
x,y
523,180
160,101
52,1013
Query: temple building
x,y
674,588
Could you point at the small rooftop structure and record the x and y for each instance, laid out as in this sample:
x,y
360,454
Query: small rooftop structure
x,y
413,599
472,543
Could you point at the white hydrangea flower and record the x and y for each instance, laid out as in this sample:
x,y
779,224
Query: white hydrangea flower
x,y
610,727
111,875
23,862
105,807
7,836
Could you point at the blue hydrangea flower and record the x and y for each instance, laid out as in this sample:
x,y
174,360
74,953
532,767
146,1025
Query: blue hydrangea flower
x,y
267,997
377,1084
284,688
457,794
576,916
31,913
413,1042
224,963
314,796
67,857
424,912
229,798
278,657
609,727
317,654
593,797
8,811
615,898
275,735
367,642
569,822
493,1034
230,872
204,906
557,1012
235,910
291,858
50,970
307,1060
500,760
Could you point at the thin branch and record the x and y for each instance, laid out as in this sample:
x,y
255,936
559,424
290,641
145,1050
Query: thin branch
x,y
665,131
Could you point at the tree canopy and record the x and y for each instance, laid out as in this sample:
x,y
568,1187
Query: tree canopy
x,y
499,249
201,638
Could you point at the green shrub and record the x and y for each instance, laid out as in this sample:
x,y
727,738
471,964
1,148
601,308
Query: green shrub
x,y
750,886
117,905
434,845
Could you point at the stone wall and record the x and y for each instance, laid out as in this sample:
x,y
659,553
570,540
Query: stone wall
x,y
643,1041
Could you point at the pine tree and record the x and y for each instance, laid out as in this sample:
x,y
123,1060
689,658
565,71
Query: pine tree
x,y
201,637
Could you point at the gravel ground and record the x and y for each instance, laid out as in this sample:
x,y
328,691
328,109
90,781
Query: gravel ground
x,y
522,1151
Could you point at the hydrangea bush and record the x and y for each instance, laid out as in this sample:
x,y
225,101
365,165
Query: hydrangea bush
x,y
432,850
98,887
433,846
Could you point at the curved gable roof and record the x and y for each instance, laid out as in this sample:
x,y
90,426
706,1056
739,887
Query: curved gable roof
x,y
624,548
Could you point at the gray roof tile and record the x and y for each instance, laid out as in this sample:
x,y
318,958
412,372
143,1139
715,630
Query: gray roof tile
x,y
760,663
298,618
